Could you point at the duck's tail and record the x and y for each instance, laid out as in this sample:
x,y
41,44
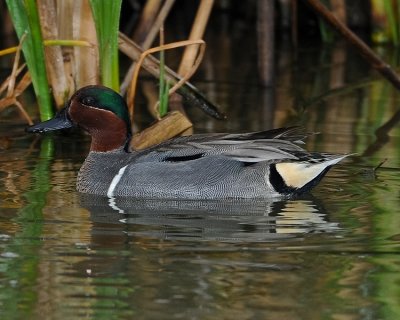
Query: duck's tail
x,y
299,177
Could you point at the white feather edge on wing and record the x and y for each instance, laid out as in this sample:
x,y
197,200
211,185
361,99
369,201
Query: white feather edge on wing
x,y
260,154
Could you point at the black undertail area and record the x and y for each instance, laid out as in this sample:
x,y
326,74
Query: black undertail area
x,y
277,181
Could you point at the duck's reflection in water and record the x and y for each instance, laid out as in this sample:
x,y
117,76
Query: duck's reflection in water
x,y
228,220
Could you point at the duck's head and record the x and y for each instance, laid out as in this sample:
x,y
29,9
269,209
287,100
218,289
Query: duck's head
x,y
98,110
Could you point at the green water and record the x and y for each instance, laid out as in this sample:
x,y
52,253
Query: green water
x,y
332,255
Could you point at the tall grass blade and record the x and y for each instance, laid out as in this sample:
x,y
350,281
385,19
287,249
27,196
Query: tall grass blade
x,y
106,16
25,18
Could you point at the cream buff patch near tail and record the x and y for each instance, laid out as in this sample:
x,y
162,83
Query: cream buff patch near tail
x,y
298,174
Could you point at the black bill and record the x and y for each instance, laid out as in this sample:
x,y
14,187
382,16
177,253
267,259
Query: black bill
x,y
60,121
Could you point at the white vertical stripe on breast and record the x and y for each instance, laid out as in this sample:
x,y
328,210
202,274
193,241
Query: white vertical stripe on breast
x,y
114,182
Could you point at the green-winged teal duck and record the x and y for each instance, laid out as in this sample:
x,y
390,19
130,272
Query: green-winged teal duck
x,y
204,166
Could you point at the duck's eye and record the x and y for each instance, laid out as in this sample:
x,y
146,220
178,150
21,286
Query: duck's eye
x,y
88,101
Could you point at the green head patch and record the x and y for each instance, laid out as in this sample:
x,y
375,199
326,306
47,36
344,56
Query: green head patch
x,y
104,98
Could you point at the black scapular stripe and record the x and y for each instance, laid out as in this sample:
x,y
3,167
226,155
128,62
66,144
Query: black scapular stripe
x,y
184,158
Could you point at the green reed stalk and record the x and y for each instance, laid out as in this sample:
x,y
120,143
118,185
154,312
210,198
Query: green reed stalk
x,y
164,87
393,24
106,17
397,19
26,22
326,32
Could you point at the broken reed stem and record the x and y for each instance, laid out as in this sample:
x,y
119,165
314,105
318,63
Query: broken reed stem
x,y
377,63
190,93
173,124
132,88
